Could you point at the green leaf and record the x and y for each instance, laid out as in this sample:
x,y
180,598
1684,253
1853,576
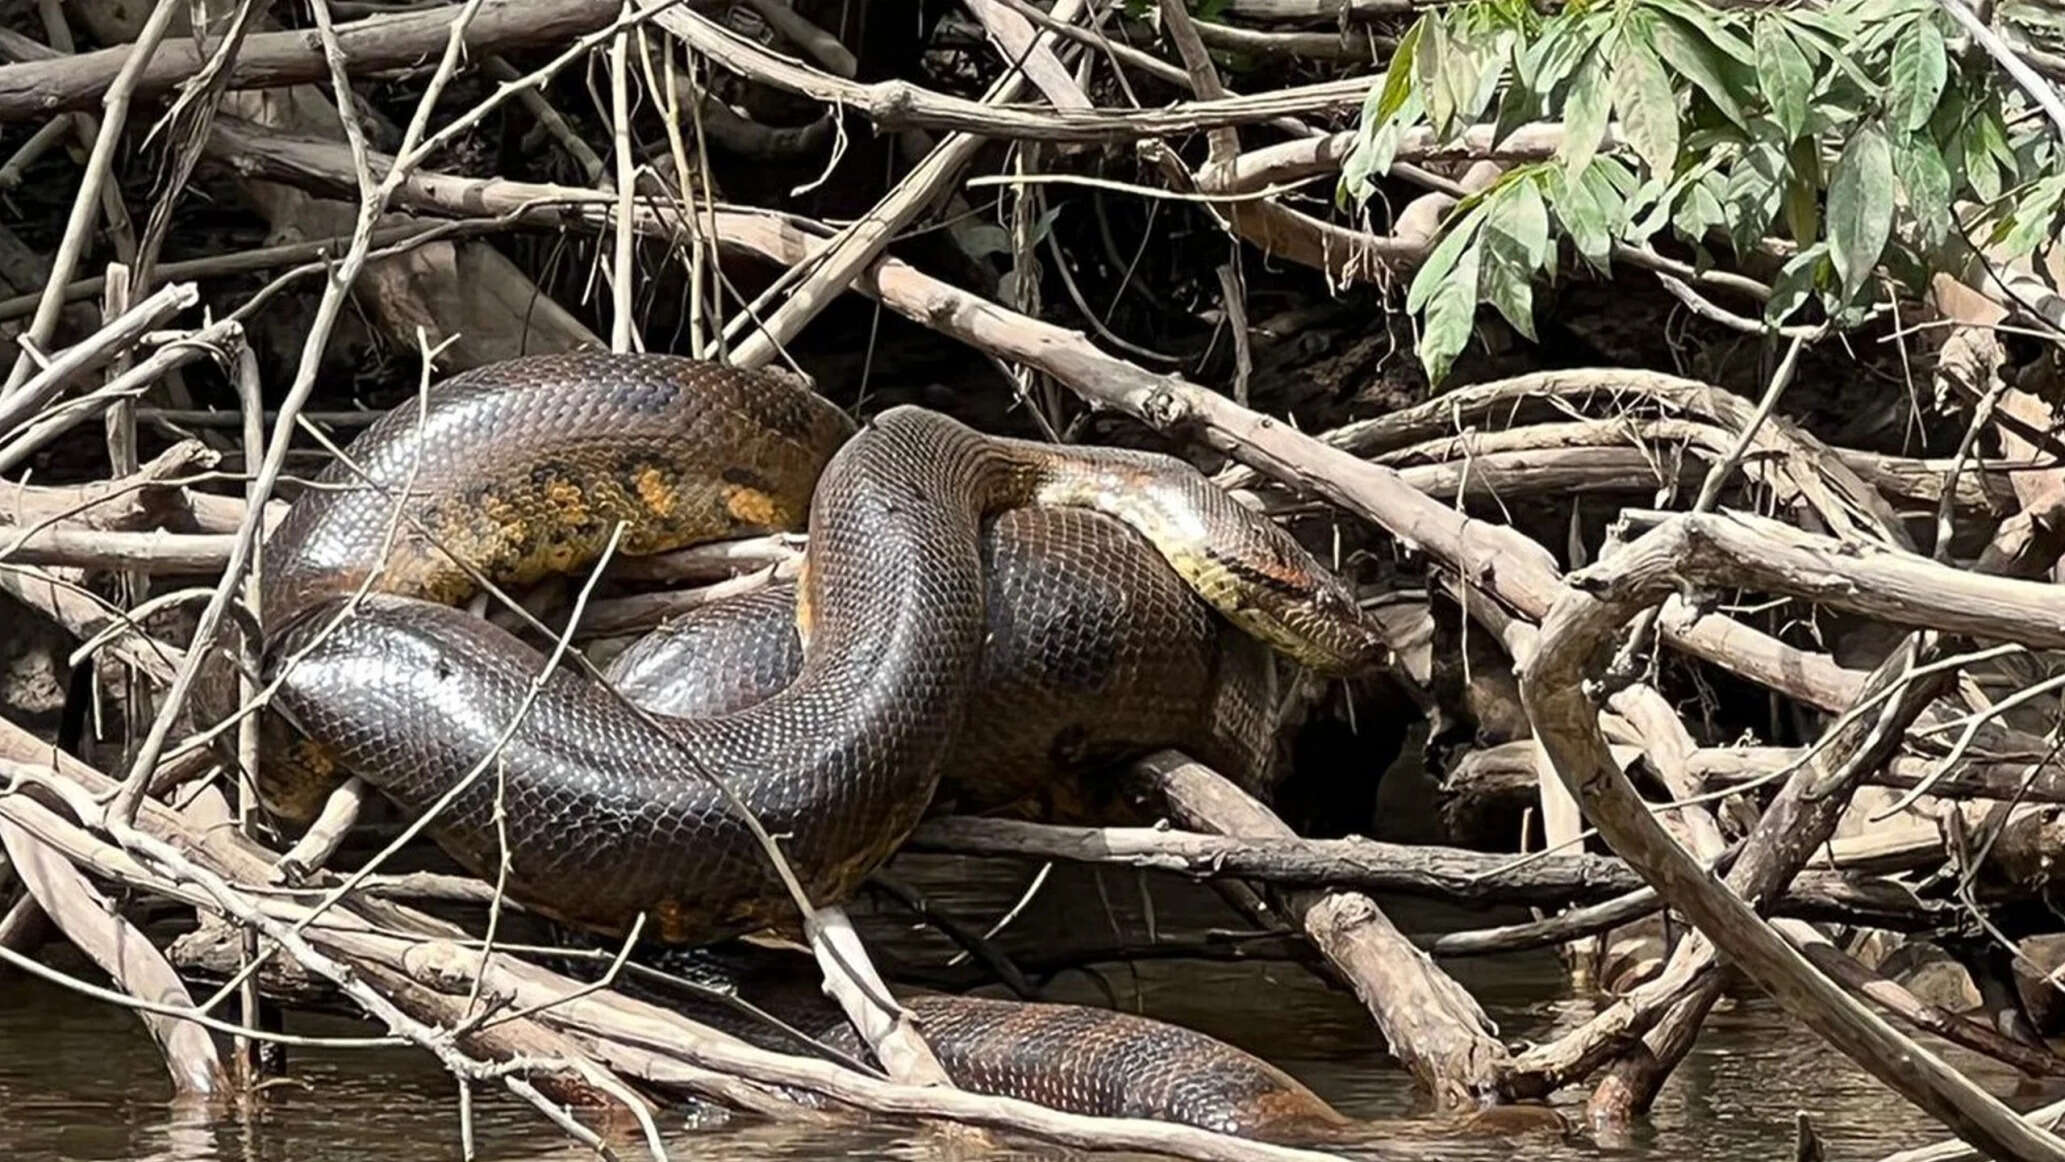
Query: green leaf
x,y
1700,209
1860,207
1949,115
1920,66
1550,59
1992,131
1518,105
1751,196
1398,78
1712,139
1461,71
1491,69
2033,217
1508,284
1835,25
1450,315
1713,32
1803,184
1688,50
1826,45
1795,284
1658,214
1430,69
1783,74
1583,218
1358,172
1525,218
1515,244
1586,112
1615,183
1442,261
1648,109
1982,172
1927,182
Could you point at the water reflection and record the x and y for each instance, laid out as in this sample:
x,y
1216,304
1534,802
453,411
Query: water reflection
x,y
80,1082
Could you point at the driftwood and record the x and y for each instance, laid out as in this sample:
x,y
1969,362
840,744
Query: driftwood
x,y
1411,869
1431,1023
1440,492
1783,560
280,59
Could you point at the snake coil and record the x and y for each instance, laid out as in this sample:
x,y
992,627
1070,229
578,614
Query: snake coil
x,y
530,467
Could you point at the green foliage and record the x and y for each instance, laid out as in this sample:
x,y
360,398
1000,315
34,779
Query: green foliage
x,y
1841,135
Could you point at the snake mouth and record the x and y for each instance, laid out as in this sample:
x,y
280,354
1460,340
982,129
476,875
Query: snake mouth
x,y
1292,602
1325,641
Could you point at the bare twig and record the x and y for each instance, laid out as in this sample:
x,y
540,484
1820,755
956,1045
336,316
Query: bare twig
x,y
103,346
1552,683
85,202
863,241
386,41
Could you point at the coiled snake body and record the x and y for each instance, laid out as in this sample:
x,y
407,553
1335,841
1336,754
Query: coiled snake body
x,y
530,467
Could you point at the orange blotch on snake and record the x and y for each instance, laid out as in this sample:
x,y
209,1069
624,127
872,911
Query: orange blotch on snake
x,y
658,494
676,922
751,506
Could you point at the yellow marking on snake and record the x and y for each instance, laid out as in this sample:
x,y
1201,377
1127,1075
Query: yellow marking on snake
x,y
659,496
673,920
569,503
752,506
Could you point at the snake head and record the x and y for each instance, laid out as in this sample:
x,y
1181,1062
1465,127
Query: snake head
x,y
1270,586
1316,621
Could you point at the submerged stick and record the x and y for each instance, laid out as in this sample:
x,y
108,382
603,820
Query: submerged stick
x,y
1735,550
1429,1021
93,924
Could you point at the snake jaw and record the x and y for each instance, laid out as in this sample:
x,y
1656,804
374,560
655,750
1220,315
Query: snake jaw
x,y
1322,630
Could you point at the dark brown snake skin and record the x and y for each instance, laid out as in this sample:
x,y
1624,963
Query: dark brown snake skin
x,y
527,468
1072,1057
1096,653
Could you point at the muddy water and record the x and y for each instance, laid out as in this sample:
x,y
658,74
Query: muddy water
x,y
79,1081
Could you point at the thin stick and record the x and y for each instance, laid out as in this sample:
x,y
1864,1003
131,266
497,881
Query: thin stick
x,y
79,226
1710,493
371,205
860,243
215,339
35,147
173,863
133,584
116,336
251,395
627,168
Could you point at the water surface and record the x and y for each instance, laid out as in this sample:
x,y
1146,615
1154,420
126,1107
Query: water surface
x,y
79,1081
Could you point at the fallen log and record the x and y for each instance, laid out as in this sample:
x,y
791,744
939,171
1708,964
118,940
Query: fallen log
x,y
1442,873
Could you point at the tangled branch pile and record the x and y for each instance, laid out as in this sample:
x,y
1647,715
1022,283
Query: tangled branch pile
x,y
1738,597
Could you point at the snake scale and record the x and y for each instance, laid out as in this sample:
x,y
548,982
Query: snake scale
x,y
831,709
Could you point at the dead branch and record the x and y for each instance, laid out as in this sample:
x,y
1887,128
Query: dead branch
x,y
901,105
93,352
279,59
91,923
149,552
1429,1021
1370,865
1771,557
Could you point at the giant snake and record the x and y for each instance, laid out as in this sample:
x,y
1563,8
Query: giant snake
x,y
973,608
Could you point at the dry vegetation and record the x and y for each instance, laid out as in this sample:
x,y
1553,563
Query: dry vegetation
x,y
1679,383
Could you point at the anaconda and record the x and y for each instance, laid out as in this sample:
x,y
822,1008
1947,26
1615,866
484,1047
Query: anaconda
x,y
534,466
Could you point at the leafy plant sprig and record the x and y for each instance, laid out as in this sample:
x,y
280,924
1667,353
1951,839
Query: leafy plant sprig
x,y
1841,136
